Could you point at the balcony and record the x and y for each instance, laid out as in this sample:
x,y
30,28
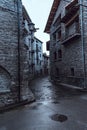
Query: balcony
x,y
32,51
32,64
57,21
70,36
57,24
25,28
38,50
71,12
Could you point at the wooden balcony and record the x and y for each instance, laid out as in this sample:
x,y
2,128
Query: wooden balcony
x,y
72,14
70,38
72,10
25,31
32,64
71,4
72,32
32,51
25,27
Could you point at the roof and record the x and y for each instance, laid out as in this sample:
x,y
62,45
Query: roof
x,y
38,39
71,4
51,15
25,14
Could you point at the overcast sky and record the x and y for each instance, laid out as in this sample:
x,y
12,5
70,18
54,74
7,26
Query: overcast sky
x,y
38,11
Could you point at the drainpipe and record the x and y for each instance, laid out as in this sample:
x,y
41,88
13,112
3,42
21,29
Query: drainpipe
x,y
82,39
18,17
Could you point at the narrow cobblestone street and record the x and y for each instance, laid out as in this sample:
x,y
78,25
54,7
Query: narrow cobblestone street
x,y
56,108
44,90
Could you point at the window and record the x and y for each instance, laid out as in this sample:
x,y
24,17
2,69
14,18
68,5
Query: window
x,y
40,62
58,21
55,55
40,55
54,37
57,71
37,60
36,47
59,35
29,55
72,72
60,54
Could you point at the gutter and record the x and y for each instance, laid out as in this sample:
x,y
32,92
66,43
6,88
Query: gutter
x,y
82,39
18,17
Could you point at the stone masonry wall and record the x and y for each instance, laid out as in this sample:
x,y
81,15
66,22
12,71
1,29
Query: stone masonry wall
x,y
9,55
71,53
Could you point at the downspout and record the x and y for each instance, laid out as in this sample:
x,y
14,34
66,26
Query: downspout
x,y
82,40
18,17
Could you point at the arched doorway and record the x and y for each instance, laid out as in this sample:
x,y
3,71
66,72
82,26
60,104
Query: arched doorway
x,y
5,81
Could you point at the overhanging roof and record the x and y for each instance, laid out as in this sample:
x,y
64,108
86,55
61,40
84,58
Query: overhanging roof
x,y
71,4
25,14
51,15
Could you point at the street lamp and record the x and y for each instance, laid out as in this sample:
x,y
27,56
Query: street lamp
x,y
32,27
32,30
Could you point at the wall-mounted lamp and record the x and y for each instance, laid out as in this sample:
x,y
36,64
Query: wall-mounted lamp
x,y
32,27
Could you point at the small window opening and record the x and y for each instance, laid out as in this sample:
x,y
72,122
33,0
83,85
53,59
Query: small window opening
x,y
72,72
60,54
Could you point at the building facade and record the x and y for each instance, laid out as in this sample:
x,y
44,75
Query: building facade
x,y
37,52
28,35
46,64
13,63
68,42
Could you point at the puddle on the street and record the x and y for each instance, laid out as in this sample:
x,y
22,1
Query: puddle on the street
x,y
39,103
59,117
45,90
45,103
35,106
55,102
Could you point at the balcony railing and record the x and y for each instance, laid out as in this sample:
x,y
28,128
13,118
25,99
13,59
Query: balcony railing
x,y
68,37
25,28
32,64
32,51
71,37
71,11
70,15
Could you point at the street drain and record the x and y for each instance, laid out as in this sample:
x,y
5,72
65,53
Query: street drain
x,y
59,117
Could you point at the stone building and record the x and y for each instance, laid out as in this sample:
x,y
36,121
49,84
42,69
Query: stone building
x,y
28,38
13,63
46,65
37,53
68,42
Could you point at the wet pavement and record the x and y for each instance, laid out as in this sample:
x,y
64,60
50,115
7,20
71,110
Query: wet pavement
x,y
56,108
44,90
